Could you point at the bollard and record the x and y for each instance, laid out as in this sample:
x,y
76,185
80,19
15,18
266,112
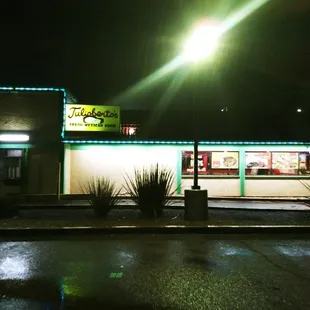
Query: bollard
x,y
196,205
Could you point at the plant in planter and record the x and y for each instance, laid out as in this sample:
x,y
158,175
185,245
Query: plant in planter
x,y
150,189
103,195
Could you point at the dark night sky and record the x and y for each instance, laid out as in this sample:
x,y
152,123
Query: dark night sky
x,y
98,48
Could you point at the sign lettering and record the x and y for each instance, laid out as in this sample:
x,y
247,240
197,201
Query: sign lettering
x,y
80,117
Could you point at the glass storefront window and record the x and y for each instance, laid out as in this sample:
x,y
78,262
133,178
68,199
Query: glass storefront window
x,y
188,163
211,163
277,163
304,163
285,163
224,163
258,163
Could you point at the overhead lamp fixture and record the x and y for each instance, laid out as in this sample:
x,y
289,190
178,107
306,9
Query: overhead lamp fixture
x,y
14,138
202,42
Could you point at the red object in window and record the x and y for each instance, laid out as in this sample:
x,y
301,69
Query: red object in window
x,y
276,171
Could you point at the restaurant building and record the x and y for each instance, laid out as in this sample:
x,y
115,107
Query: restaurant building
x,y
49,142
226,168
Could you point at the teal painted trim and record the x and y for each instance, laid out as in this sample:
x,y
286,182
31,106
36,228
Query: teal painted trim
x,y
212,176
179,173
15,146
236,143
242,171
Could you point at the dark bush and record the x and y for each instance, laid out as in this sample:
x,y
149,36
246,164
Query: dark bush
x,y
8,206
104,195
150,189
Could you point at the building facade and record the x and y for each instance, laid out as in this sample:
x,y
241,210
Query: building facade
x,y
31,150
226,169
49,143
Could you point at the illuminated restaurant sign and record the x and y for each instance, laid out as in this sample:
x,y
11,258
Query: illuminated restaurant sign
x,y
80,117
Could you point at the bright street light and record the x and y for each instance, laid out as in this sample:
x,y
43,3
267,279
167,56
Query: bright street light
x,y
200,45
202,42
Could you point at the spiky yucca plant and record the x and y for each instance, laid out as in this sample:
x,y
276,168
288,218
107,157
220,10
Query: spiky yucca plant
x,y
104,195
150,189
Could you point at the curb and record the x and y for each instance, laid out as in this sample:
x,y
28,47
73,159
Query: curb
x,y
130,207
37,233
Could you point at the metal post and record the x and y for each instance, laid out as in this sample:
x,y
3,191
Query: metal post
x,y
196,142
195,185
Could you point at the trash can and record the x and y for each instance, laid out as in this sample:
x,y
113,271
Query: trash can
x,y
196,205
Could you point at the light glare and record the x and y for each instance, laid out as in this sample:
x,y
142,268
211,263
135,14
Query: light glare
x,y
202,43
13,268
13,138
241,14
189,53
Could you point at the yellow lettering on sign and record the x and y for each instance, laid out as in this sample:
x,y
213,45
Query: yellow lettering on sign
x,y
81,117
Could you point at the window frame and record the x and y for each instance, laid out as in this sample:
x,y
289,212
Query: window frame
x,y
209,166
271,174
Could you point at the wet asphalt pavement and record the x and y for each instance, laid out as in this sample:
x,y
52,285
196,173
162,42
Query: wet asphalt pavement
x,y
156,272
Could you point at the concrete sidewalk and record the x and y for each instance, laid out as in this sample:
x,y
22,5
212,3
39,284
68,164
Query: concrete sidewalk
x,y
126,220
179,203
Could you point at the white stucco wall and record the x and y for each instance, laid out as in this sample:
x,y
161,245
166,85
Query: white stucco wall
x,y
276,187
216,187
67,170
116,162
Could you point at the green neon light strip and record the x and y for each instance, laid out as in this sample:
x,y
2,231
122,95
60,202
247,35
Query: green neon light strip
x,y
44,89
64,114
182,142
15,145
32,89
125,142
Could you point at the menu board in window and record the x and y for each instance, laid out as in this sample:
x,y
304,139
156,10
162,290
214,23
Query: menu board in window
x,y
225,160
284,163
188,163
260,160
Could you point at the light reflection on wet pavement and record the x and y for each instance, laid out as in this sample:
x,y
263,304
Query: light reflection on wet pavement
x,y
155,272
